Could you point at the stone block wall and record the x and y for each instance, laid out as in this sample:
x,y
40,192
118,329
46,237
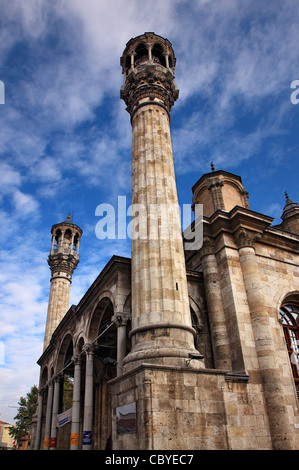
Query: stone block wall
x,y
186,409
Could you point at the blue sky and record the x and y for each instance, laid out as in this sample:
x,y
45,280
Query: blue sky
x,y
65,137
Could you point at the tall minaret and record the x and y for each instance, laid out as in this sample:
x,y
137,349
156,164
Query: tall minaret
x,y
63,260
161,322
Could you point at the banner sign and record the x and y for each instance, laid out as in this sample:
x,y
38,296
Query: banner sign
x,y
46,443
74,439
126,418
87,438
53,441
64,418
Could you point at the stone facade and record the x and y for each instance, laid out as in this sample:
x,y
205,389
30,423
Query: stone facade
x,y
176,349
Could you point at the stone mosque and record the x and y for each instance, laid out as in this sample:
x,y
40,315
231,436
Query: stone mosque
x,y
175,348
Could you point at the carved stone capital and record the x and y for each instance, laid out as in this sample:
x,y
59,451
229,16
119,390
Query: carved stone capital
x,y
60,263
89,348
58,377
120,319
208,246
50,382
76,359
215,183
246,238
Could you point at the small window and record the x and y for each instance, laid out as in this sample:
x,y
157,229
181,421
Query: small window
x,y
158,56
289,314
141,54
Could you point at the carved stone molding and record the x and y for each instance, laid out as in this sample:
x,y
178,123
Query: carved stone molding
x,y
120,319
246,238
208,246
76,359
150,82
89,348
63,263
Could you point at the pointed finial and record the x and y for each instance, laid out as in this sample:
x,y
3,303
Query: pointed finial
x,y
212,166
69,215
288,200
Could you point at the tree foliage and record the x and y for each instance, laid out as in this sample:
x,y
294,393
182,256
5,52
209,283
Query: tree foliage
x,y
68,386
27,408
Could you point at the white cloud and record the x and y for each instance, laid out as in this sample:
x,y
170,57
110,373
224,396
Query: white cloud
x,y
46,170
24,282
10,177
25,204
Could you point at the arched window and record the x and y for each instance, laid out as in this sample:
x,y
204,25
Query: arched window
x,y
58,235
141,54
289,314
67,240
158,54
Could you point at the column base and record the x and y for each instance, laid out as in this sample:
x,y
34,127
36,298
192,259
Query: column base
x,y
164,343
165,356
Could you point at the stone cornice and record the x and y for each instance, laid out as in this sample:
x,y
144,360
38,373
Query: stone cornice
x,y
247,227
65,263
114,265
152,83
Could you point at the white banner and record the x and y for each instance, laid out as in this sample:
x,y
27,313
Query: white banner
x,y
64,418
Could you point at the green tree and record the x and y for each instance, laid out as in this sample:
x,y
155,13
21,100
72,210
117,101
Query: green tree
x,y
27,408
68,386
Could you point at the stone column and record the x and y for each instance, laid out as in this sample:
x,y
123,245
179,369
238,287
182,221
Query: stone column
x,y
39,419
121,323
280,427
149,49
48,415
219,334
72,243
88,398
52,244
161,322
217,196
166,55
75,429
132,59
53,439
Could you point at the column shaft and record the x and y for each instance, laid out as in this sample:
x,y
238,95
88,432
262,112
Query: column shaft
x,y
161,320
88,401
55,410
121,345
266,352
48,416
220,339
39,420
75,429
